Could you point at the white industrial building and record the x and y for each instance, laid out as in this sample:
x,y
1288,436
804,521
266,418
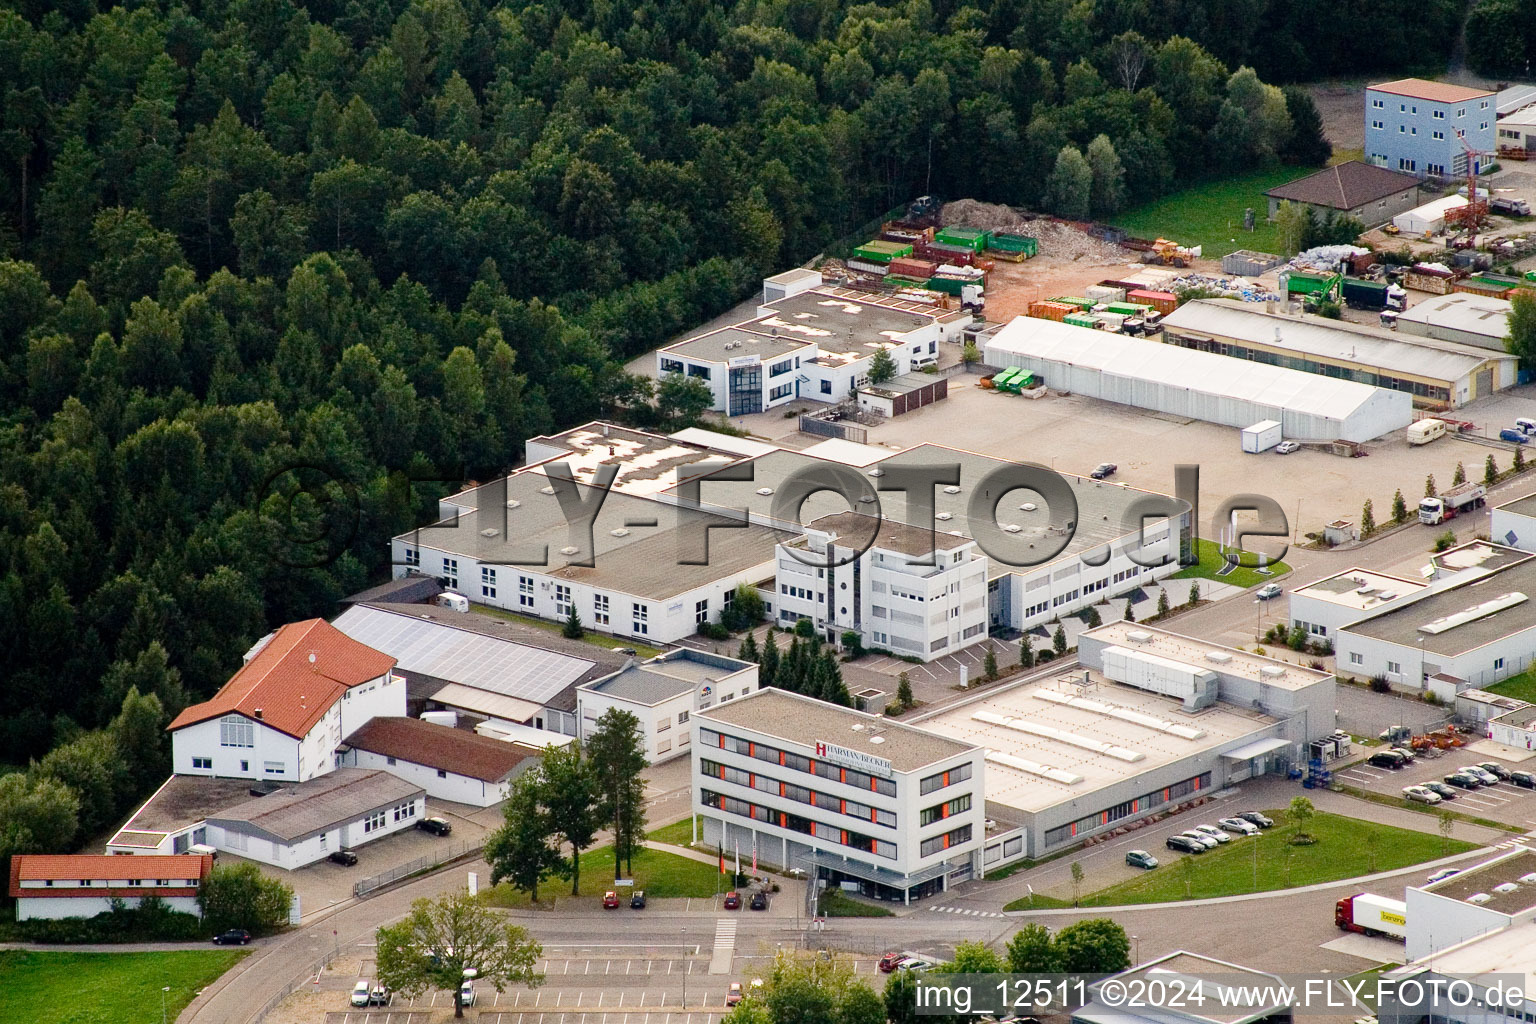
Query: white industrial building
x,y
1518,129
1515,728
55,886
1197,385
809,340
906,590
283,714
447,763
664,693
1150,720
845,796
1472,633
1428,219
1477,901
1438,374
1514,523
1478,320
1324,606
297,825
1243,995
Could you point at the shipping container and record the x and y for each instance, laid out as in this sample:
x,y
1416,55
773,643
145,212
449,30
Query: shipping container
x,y
1262,436
1427,279
1014,248
881,252
941,253
1047,309
1105,293
973,239
906,266
1247,263
952,284
1163,302
908,231
1073,300
1492,285
866,267
901,281
1128,308
1082,320
1320,285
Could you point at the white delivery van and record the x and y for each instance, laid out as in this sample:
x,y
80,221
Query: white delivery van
x,y
456,602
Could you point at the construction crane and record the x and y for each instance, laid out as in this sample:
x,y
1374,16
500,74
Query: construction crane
x,y
1471,215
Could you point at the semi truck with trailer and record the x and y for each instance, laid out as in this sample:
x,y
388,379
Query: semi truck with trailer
x,y
1372,915
1452,503
1362,294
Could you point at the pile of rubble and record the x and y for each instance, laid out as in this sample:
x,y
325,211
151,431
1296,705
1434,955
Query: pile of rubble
x,y
1325,258
1229,287
1058,240
969,213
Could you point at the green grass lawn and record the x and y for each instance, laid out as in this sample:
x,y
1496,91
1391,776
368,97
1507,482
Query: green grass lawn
x,y
1521,687
1211,562
679,833
1342,851
1211,215
1039,901
835,904
659,873
596,639
104,988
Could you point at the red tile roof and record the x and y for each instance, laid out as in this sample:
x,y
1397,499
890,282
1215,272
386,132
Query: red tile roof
x,y
439,746
41,867
1435,92
290,692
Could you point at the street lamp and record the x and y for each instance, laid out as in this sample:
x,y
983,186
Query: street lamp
x,y
797,872
164,992
686,965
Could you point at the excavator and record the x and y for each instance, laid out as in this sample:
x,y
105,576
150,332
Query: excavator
x,y
1170,253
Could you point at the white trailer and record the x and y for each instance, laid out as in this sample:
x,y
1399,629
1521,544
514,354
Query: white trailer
x,y
1262,436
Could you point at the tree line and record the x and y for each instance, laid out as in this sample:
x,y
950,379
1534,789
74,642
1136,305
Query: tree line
x,y
809,666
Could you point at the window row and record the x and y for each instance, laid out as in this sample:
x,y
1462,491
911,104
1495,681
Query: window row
x,y
940,843
954,775
407,809
795,823
1142,804
799,794
938,812
798,762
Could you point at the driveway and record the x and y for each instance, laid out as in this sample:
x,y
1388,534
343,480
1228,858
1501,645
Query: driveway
x,y
1365,713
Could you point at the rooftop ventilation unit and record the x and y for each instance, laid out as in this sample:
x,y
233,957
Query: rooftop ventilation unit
x,y
569,550
1363,591
1219,657
1477,611
489,532
951,489
1028,506
945,516
765,491
1479,897
620,532
1045,771
1386,595
1272,672
877,739
1013,528
1506,887
547,490
1139,636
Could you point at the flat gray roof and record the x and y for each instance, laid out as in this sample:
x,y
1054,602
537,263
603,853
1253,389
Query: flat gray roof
x,y
1479,554
646,462
892,536
1345,588
1190,650
304,809
1520,718
642,686
464,656
734,342
803,722
628,558
1525,505
185,800
1101,505
1462,311
905,384
1463,617
1484,877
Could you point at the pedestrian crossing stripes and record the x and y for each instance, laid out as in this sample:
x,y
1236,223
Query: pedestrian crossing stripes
x,y
966,911
1512,844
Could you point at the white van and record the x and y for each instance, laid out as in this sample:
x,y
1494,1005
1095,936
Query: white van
x,y
1526,426
203,850
457,602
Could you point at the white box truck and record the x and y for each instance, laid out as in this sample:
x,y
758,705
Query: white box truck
x,y
1425,431
1261,437
1372,915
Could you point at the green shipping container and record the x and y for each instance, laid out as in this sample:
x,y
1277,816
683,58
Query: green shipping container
x,y
881,252
949,285
1080,320
1003,242
1127,308
1072,300
906,282
973,239
1311,284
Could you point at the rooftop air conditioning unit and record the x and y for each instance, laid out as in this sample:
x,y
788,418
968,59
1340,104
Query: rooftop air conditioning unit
x,y
1139,636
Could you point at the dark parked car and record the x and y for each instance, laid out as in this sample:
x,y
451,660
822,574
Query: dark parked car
x,y
1525,779
1387,759
732,901
759,901
1462,781
637,901
1103,470
1184,844
1495,769
436,826
1261,820
345,858
1446,792
889,961
233,937
1141,859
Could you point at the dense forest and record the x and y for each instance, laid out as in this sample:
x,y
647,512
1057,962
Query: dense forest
x,y
1501,38
272,274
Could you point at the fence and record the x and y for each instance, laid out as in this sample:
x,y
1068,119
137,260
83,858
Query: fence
x,y
441,856
293,986
833,428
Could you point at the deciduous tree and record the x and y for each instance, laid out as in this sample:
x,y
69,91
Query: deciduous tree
x,y
440,939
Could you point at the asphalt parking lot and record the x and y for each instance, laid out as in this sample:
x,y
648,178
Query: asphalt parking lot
x,y
1502,802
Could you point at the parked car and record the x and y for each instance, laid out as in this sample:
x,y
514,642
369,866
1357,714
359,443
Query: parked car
x,y
1461,780
360,994
637,901
436,826
1445,792
733,994
1286,447
233,937
1184,844
1525,779
1513,436
1443,874
1261,820
916,964
1209,842
1238,825
1389,759
1408,755
467,994
1214,832
1141,859
1480,773
1495,769
888,962
380,995
610,900
759,901
732,901
1103,469
1268,591
346,858
1421,794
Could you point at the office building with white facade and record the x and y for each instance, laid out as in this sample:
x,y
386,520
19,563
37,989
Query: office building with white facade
x,y
1323,606
1514,522
842,795
284,713
905,590
1464,317
664,693
1416,126
1148,721
809,340
447,763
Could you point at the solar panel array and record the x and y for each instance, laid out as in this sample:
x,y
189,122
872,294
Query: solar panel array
x,y
460,656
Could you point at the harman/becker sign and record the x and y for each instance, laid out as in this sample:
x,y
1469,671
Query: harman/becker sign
x,y
853,759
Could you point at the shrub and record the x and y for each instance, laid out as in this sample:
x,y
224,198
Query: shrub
x,y
1445,541
151,921
1380,685
715,631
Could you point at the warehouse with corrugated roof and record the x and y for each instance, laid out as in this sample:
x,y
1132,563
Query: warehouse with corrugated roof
x,y
1198,385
